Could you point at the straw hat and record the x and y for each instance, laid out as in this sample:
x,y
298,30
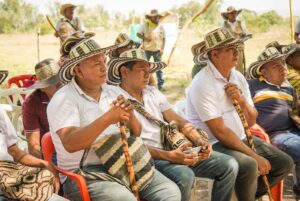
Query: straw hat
x,y
123,39
130,55
79,49
268,55
3,75
65,6
230,9
154,13
216,39
46,72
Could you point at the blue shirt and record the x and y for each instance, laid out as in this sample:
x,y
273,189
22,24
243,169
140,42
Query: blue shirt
x,y
272,103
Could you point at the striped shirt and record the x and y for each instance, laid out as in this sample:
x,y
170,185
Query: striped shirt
x,y
272,103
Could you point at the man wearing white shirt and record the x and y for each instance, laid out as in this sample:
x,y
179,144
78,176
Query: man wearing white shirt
x,y
238,30
85,110
209,107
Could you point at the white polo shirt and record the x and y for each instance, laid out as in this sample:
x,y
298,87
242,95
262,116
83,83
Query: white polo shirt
x,y
70,106
8,136
155,103
206,100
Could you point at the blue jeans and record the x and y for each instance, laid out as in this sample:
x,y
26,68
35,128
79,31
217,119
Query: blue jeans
x,y
182,175
156,58
223,169
160,188
289,142
247,186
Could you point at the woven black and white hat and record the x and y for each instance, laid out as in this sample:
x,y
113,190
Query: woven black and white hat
x,y
3,75
268,55
80,49
130,55
216,39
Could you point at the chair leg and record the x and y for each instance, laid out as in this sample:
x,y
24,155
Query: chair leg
x,y
277,191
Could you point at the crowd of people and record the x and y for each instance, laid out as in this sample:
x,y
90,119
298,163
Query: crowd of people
x,y
83,100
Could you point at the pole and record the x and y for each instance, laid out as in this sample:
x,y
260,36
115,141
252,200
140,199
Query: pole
x,y
250,142
291,21
38,44
129,164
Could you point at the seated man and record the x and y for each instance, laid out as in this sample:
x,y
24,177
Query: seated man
x,y
209,107
132,71
34,108
9,149
273,96
87,109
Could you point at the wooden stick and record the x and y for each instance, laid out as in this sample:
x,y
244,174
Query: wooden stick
x,y
204,10
250,142
129,164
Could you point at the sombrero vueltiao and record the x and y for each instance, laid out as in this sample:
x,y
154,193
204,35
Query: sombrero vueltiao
x,y
198,49
130,55
124,39
268,55
65,6
216,39
230,9
3,75
80,49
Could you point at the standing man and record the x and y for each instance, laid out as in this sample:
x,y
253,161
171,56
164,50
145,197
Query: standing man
x,y
209,107
238,30
68,24
34,109
297,32
154,39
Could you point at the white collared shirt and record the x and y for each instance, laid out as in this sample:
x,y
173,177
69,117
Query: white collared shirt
x,y
155,103
206,100
8,136
69,107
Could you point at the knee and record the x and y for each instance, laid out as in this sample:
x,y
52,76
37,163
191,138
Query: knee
x,y
186,178
230,166
248,167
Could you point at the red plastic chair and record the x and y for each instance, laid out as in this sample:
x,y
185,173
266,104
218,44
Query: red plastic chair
x,y
22,81
277,190
48,151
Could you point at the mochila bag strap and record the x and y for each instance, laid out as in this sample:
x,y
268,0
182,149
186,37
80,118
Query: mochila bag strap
x,y
170,136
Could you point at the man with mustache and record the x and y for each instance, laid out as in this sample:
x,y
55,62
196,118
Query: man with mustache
x,y
273,97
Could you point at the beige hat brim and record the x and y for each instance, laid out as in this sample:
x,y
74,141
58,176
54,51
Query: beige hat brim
x,y
224,14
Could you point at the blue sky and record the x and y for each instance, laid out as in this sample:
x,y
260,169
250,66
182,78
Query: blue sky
x,y
142,6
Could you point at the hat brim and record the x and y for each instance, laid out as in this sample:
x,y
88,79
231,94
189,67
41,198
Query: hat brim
x,y
45,83
62,10
224,14
255,67
3,75
115,63
148,15
198,59
66,71
113,53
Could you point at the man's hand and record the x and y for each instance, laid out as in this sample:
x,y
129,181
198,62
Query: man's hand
x,y
56,34
264,165
147,38
234,93
50,167
204,154
161,51
178,157
121,110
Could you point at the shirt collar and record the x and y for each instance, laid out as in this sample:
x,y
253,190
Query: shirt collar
x,y
284,84
216,73
82,93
